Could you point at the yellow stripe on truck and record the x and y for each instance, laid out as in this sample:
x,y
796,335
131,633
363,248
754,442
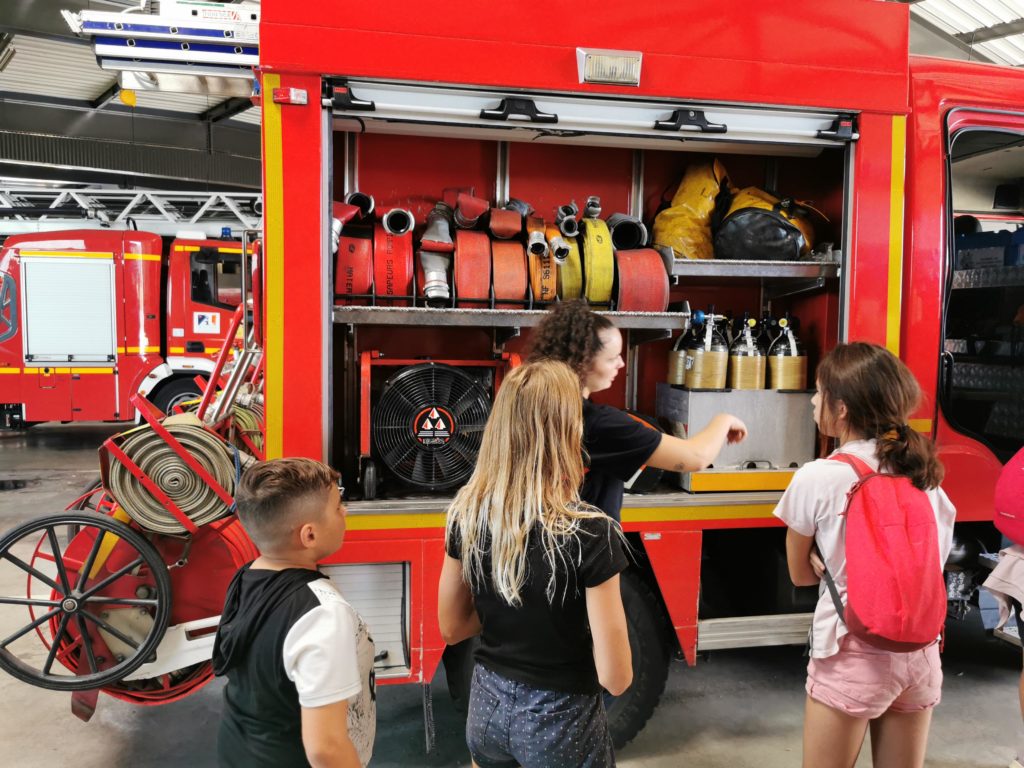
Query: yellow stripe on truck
x,y
273,200
895,291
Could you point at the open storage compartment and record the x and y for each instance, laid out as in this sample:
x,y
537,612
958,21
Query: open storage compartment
x,y
406,144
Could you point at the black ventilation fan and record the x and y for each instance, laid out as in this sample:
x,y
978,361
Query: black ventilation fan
x,y
428,425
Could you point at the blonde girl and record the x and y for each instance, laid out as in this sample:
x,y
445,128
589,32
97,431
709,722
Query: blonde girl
x,y
535,572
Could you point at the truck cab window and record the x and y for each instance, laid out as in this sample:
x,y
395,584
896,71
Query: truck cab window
x,y
984,320
216,278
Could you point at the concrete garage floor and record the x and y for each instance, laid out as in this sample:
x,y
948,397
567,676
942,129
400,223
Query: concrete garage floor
x,y
737,708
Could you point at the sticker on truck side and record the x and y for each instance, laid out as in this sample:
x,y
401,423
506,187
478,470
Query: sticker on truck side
x,y
205,322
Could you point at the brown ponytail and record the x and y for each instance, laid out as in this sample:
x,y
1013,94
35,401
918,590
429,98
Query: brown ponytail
x,y
880,393
569,333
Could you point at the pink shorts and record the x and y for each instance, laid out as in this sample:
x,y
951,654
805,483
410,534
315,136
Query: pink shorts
x,y
864,681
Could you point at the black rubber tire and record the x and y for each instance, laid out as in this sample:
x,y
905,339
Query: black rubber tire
x,y
176,391
649,641
25,670
369,480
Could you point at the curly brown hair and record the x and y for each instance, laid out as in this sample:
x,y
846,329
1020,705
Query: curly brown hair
x,y
570,333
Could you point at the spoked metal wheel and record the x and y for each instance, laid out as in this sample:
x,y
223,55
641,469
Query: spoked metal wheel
x,y
92,498
99,601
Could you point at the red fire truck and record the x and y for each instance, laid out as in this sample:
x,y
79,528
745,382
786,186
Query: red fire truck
x,y
494,103
90,317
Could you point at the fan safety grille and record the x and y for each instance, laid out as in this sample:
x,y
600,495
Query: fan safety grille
x,y
428,424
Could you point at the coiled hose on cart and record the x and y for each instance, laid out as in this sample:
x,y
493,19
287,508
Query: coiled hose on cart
x,y
246,421
198,501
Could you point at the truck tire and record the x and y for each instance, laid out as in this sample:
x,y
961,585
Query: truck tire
x,y
649,642
176,391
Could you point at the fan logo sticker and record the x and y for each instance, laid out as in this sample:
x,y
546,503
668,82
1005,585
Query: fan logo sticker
x,y
433,426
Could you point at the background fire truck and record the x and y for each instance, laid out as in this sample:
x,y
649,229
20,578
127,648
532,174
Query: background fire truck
x,y
384,359
88,317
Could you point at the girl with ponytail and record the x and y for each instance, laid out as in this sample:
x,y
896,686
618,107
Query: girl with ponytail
x,y
864,398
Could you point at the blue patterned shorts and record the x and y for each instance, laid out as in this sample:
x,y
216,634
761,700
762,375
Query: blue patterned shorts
x,y
516,724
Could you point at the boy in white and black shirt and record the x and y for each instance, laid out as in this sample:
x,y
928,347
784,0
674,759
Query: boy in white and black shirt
x,y
299,659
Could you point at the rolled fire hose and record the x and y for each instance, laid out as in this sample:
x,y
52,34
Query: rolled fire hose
x,y
510,280
505,224
246,421
570,274
353,273
643,281
173,476
543,274
598,261
392,266
472,269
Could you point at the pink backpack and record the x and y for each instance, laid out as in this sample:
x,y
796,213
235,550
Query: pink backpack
x,y
1009,513
895,590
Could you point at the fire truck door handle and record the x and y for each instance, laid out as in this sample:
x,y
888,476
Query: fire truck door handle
x,y
515,107
692,118
340,99
947,375
195,347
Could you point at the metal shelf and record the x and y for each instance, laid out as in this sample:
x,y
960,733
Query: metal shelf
x,y
431,504
989,277
756,269
496,318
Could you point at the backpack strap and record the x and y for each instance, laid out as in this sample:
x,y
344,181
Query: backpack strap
x,y
863,472
859,465
836,600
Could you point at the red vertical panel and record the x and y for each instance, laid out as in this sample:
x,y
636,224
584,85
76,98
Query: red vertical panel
x,y
869,249
675,557
303,294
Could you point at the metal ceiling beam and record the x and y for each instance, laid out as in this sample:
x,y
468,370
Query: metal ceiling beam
x,y
106,97
41,18
995,32
226,109
117,141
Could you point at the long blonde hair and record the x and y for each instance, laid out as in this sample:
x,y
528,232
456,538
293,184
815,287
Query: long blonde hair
x,y
528,475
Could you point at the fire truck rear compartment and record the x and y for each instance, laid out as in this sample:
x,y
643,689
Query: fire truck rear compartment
x,y
412,171
409,165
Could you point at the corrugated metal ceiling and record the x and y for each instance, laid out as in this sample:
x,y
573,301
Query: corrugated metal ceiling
x,y
971,22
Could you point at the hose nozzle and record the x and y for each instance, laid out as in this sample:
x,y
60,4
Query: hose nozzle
x,y
628,232
362,201
397,221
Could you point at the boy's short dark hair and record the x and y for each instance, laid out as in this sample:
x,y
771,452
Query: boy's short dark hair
x,y
273,496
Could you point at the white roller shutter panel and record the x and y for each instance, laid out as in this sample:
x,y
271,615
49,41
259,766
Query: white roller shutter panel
x,y
68,310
